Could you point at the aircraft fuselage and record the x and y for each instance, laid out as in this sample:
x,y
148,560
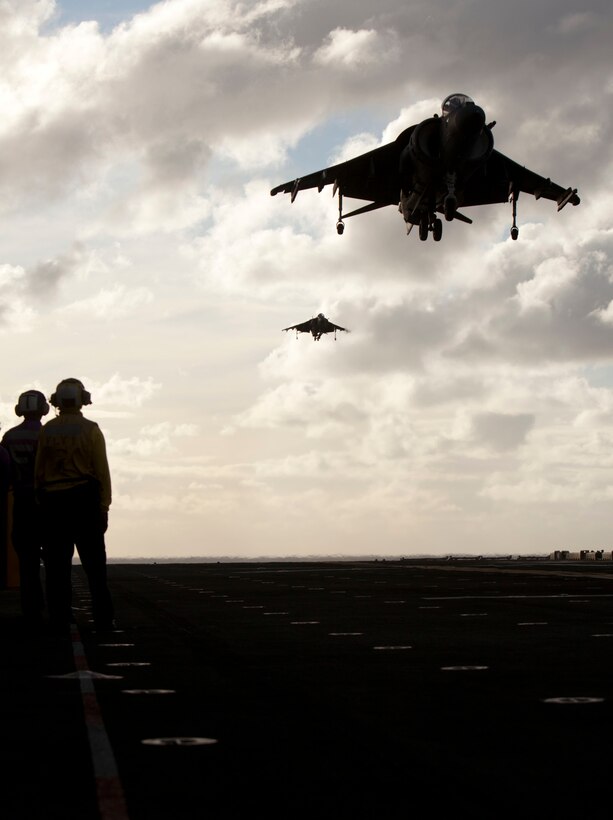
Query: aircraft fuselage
x,y
440,155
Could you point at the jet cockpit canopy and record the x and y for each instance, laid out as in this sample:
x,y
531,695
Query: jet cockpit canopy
x,y
454,101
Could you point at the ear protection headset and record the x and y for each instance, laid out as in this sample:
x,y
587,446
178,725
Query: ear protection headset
x,y
32,401
70,393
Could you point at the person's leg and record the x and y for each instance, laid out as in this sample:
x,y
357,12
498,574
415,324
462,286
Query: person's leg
x,y
89,539
57,554
92,553
27,544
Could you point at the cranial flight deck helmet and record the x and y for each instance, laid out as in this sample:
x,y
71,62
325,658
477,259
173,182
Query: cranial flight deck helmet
x,y
70,393
31,402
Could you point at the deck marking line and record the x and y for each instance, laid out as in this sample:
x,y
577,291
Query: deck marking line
x,y
109,791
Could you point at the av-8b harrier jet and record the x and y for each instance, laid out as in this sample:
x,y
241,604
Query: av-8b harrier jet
x,y
435,167
318,325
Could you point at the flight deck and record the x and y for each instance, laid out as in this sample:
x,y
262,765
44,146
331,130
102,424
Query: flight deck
x,y
332,689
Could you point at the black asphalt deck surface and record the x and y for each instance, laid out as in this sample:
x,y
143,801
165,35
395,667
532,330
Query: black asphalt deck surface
x,y
334,690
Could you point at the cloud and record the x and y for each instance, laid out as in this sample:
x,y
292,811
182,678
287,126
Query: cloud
x,y
117,391
158,90
45,278
502,431
15,314
572,23
318,409
139,237
112,304
51,281
352,50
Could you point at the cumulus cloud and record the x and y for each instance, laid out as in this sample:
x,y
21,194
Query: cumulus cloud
x,y
158,91
16,315
478,374
355,49
118,391
112,304
502,431
571,23
45,278
605,314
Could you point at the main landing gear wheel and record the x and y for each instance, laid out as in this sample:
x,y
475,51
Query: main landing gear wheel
x,y
340,227
437,230
514,232
423,230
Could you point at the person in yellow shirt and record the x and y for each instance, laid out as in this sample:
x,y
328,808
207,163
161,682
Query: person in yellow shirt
x,y
73,485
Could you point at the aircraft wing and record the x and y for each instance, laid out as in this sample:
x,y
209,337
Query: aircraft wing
x,y
337,327
303,327
502,176
372,176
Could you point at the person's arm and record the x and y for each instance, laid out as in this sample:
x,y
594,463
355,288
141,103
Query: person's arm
x,y
101,468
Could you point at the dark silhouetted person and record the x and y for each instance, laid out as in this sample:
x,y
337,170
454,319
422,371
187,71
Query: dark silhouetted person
x,y
4,485
21,443
73,483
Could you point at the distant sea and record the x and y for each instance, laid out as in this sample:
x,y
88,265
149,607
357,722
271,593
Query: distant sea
x,y
300,559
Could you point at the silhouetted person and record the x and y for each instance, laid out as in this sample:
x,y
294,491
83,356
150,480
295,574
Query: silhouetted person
x,y
4,485
5,467
21,443
74,486
5,470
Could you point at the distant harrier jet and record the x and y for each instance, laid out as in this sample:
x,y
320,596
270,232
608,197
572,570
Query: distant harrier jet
x,y
317,326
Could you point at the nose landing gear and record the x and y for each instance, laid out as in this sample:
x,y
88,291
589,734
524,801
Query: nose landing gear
x,y
450,205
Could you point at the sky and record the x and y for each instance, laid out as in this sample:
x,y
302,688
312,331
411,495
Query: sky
x,y
469,410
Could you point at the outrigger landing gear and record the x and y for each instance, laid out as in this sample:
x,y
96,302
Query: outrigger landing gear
x,y
514,196
340,225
